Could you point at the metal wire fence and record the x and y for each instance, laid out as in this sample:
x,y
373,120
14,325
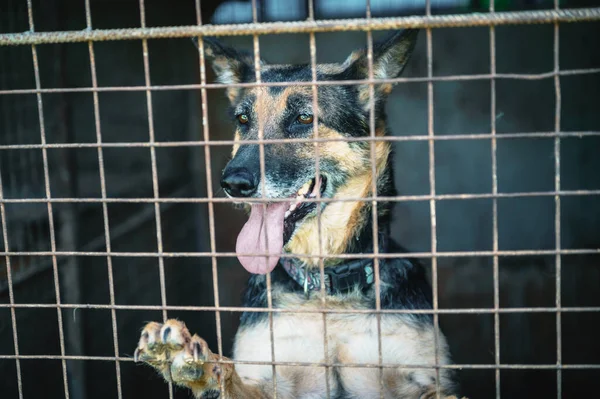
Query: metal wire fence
x,y
311,26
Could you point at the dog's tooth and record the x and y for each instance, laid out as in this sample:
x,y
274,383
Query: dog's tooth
x,y
287,213
316,188
304,189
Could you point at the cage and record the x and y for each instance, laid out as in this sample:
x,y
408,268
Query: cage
x,y
114,137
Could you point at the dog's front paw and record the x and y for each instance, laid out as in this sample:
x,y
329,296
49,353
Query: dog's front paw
x,y
432,394
181,358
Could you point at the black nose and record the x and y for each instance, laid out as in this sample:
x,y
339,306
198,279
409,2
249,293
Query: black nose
x,y
239,182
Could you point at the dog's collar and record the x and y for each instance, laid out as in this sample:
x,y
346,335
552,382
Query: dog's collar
x,y
338,279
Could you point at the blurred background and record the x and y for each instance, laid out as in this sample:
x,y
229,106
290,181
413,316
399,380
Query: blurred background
x,y
461,167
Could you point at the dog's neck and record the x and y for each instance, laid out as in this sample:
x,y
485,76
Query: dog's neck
x,y
347,227
345,274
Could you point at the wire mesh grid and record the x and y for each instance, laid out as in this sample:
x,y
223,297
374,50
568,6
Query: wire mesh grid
x,y
368,24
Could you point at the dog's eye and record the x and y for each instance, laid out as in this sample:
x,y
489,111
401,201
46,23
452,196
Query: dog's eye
x,y
305,119
242,118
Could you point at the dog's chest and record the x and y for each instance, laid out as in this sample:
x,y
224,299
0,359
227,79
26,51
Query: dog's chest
x,y
351,338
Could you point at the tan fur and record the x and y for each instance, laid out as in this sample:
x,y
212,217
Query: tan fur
x,y
228,76
268,107
351,339
307,333
346,216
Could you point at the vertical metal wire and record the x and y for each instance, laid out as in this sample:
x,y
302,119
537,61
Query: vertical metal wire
x,y
261,149
496,273
209,193
14,175
105,219
155,188
315,102
30,163
375,220
27,170
557,234
40,105
11,294
432,205
373,142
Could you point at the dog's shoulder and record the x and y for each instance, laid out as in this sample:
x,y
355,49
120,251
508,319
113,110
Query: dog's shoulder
x,y
404,283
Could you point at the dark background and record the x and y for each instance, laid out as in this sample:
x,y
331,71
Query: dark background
x,y
461,166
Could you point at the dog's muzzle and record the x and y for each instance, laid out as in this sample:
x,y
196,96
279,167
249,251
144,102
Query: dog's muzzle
x,y
239,182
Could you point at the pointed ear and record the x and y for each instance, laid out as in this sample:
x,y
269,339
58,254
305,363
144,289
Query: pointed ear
x,y
230,66
390,56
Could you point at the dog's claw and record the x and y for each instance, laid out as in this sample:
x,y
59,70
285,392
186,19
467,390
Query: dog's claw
x,y
197,350
166,333
180,357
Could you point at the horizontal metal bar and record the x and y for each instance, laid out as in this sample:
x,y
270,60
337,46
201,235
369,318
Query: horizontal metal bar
x,y
449,254
171,144
338,25
120,229
198,86
225,200
302,310
353,365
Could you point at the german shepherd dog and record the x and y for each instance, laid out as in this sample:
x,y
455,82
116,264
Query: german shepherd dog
x,y
407,346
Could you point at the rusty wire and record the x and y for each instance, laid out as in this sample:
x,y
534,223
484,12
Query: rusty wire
x,y
196,143
350,82
511,366
439,254
374,215
11,294
432,202
321,259
495,259
153,166
294,311
209,191
557,213
105,218
50,210
310,26
338,25
398,198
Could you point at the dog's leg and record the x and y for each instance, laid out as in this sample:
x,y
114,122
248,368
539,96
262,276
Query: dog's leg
x,y
186,361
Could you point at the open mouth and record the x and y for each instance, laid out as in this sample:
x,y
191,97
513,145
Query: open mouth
x,y
270,227
298,209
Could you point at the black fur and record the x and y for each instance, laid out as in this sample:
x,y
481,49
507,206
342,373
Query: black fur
x,y
403,281
289,170
404,285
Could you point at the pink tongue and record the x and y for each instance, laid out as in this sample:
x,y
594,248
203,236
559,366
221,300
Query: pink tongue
x,y
255,239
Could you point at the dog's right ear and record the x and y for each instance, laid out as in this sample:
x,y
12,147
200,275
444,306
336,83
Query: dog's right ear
x,y
229,65
389,59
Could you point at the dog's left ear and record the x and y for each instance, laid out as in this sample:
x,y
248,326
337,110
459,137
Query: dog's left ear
x,y
390,56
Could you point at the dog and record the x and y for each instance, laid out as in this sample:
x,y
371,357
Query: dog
x,y
297,224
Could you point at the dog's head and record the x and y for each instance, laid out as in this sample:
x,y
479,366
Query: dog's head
x,y
286,112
